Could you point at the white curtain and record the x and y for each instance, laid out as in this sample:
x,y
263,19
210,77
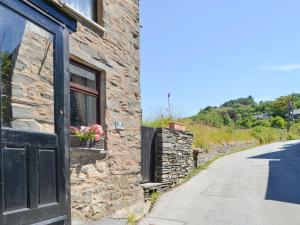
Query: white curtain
x,y
84,7
80,100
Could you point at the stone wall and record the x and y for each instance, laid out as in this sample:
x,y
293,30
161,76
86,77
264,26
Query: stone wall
x,y
103,186
202,156
109,182
173,155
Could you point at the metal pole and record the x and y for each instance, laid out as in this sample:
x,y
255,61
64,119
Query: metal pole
x,y
290,115
292,109
169,105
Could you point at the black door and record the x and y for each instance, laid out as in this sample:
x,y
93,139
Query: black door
x,y
33,126
148,154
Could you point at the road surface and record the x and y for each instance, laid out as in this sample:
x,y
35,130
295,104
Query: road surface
x,y
260,186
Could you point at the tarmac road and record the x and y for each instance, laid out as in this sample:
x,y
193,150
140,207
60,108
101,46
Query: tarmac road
x,y
260,186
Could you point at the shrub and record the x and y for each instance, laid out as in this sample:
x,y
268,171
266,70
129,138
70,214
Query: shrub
x,y
267,135
278,122
210,118
262,123
227,121
245,123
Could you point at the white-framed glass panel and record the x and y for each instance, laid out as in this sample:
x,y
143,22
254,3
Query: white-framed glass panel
x,y
87,8
84,95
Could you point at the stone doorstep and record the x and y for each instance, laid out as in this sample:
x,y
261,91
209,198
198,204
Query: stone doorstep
x,y
104,221
153,185
120,217
150,188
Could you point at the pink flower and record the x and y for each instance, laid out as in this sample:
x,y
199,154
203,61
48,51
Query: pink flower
x,y
83,128
73,130
92,132
97,137
97,129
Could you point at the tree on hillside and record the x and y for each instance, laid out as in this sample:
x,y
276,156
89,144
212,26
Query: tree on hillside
x,y
232,114
280,106
240,112
264,107
209,117
242,101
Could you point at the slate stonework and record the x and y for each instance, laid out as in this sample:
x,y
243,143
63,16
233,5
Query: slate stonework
x,y
202,156
173,155
101,187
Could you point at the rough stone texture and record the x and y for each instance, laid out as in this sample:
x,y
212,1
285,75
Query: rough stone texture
x,y
202,156
173,155
102,187
105,221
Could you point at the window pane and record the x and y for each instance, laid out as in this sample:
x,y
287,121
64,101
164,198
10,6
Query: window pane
x,y
82,76
26,55
83,109
84,7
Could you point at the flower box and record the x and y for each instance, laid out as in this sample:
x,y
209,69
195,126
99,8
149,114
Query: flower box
x,y
75,142
90,137
176,126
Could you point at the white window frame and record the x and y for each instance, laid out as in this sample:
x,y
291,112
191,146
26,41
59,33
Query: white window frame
x,y
69,9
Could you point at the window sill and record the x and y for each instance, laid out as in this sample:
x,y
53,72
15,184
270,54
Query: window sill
x,y
69,10
83,154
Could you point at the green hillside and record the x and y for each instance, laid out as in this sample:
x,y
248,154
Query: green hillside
x,y
240,119
246,113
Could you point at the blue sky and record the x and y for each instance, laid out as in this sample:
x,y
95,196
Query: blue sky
x,y
206,52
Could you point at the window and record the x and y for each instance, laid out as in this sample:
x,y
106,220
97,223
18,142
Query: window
x,y
27,78
87,8
85,95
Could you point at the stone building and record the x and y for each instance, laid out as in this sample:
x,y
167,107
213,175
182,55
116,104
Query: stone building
x,y
105,89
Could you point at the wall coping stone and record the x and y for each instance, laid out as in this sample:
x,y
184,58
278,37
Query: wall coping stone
x,y
176,131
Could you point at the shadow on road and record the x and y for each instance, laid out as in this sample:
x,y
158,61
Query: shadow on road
x,y
284,174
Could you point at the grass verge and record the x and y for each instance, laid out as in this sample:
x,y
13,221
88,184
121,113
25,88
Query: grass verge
x,y
154,196
132,220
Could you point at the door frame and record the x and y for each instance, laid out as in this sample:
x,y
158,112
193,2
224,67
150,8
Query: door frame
x,y
47,16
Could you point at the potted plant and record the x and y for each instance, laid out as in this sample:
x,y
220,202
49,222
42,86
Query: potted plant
x,y
87,136
177,126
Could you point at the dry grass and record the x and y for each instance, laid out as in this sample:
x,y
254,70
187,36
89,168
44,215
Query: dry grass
x,y
205,136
